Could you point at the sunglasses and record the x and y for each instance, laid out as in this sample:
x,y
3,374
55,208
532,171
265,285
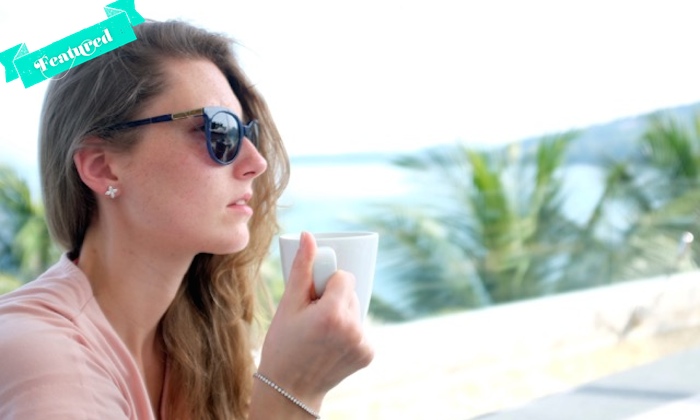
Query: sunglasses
x,y
223,129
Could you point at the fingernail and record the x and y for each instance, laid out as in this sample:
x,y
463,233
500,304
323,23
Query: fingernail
x,y
303,240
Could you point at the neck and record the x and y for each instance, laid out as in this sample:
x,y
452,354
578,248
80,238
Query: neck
x,y
134,288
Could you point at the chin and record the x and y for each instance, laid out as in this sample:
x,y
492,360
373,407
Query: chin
x,y
233,245
229,240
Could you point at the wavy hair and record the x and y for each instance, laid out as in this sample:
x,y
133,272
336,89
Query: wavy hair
x,y
207,330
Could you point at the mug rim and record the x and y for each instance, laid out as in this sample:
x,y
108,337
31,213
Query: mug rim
x,y
337,235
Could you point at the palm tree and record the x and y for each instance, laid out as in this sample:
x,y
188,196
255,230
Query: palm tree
x,y
496,234
26,248
657,194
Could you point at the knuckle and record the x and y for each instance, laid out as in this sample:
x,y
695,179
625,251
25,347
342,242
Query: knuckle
x,y
348,277
344,326
367,357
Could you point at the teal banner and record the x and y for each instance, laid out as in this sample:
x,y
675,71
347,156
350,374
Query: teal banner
x,y
73,50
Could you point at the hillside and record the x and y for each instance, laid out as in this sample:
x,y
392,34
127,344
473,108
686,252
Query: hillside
x,y
614,140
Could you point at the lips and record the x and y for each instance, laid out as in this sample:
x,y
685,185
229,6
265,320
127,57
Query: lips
x,y
242,201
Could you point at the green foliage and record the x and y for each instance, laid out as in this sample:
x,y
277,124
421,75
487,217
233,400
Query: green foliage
x,y
496,235
26,248
8,283
659,195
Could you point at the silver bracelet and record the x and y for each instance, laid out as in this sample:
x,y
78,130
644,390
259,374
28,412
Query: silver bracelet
x,y
287,395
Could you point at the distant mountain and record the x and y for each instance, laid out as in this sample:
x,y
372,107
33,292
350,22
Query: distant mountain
x,y
616,140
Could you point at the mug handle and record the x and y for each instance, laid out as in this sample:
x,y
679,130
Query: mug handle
x,y
325,264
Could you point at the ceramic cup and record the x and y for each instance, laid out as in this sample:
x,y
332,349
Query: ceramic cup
x,y
355,252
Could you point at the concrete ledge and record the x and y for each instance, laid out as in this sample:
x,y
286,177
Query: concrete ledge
x,y
668,389
437,368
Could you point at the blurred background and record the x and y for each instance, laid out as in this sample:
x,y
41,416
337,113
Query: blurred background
x,y
506,151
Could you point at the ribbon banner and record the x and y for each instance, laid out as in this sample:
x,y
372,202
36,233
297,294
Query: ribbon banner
x,y
75,49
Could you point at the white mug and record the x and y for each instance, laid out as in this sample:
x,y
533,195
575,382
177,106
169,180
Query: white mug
x,y
355,252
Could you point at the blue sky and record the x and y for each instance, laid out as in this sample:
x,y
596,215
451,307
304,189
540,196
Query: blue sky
x,y
363,75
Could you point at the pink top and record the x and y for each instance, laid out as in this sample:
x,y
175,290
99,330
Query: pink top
x,y
59,356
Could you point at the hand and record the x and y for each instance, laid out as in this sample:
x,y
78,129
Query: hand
x,y
313,344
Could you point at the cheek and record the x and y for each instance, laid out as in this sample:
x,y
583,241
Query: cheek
x,y
183,182
157,181
167,164
179,180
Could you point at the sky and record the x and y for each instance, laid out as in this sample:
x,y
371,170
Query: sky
x,y
388,76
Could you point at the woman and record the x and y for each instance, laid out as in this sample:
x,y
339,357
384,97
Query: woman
x,y
166,221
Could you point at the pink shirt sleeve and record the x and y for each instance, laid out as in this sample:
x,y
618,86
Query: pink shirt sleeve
x,y
48,372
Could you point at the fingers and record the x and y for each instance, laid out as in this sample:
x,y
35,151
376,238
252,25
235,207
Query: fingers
x,y
340,307
311,346
339,300
300,285
340,290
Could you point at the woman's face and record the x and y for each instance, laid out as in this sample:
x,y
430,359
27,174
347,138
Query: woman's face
x,y
172,194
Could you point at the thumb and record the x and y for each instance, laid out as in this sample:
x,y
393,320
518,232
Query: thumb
x,y
300,284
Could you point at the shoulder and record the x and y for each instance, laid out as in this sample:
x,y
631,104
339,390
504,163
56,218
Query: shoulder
x,y
48,366
47,372
41,316
63,289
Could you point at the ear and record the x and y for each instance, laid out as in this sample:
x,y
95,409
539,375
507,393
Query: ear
x,y
94,165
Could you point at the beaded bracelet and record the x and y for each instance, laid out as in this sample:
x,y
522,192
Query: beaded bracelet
x,y
287,395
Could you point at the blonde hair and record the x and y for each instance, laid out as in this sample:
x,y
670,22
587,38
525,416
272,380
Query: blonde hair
x,y
206,331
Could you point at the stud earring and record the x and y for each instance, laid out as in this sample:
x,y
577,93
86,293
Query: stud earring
x,y
111,192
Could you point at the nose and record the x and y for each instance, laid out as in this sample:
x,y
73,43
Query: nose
x,y
249,163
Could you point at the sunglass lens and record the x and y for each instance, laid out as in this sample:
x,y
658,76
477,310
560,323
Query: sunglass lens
x,y
224,136
253,132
